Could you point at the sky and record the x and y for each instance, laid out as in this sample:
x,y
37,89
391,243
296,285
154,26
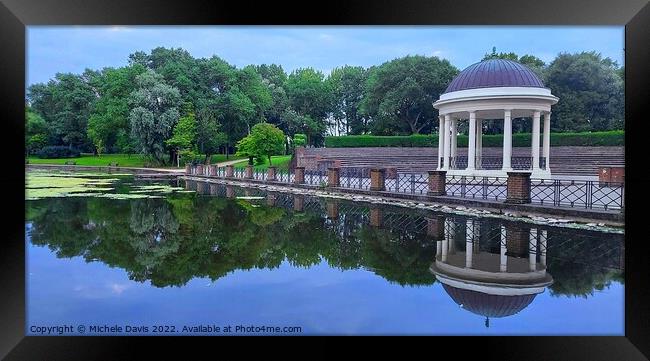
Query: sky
x,y
60,49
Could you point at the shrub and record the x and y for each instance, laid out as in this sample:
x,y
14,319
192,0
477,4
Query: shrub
x,y
58,151
609,138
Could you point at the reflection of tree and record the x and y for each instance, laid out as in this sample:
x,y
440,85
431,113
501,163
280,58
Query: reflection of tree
x,y
153,233
398,256
171,241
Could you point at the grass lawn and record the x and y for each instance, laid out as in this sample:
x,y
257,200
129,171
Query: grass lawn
x,y
280,161
123,160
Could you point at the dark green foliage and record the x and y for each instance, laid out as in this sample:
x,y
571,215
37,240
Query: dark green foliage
x,y
58,151
593,139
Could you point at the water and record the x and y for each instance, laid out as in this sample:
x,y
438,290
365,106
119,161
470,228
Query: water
x,y
226,256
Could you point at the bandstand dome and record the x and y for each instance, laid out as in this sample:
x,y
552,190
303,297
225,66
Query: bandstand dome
x,y
495,73
488,305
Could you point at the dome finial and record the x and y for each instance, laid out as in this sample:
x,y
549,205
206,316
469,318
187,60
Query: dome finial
x,y
487,322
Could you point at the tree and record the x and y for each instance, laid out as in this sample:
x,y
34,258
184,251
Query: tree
x,y
111,111
310,97
246,148
35,131
65,103
183,137
209,137
590,91
234,109
347,85
154,113
400,92
265,140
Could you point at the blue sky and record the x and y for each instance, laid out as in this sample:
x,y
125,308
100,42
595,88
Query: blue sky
x,y
52,49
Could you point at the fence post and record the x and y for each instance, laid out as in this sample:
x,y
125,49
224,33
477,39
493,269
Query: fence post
x,y
299,177
270,173
199,169
333,177
518,187
437,182
230,170
212,170
188,168
248,174
377,179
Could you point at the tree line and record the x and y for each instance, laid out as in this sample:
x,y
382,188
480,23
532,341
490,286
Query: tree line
x,y
168,103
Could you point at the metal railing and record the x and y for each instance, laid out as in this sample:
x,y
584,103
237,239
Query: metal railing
x,y
350,177
477,187
579,194
413,183
316,177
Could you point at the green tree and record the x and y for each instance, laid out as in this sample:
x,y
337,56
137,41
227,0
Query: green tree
x,y
591,93
310,96
65,103
265,140
347,85
400,92
183,138
209,137
536,64
154,113
35,131
111,111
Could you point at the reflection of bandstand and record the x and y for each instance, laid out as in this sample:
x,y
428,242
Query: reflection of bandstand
x,y
488,284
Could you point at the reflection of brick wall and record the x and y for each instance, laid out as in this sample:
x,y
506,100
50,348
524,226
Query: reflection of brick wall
x,y
517,240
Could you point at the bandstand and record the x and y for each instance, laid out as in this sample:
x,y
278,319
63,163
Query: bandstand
x,y
495,89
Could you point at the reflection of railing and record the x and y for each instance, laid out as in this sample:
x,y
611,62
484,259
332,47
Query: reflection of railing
x,y
582,194
477,187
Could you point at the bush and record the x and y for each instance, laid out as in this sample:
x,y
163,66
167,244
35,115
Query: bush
x,y
593,139
58,151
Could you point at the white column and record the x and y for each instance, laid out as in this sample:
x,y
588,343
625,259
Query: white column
x,y
447,144
535,143
503,265
542,247
454,137
479,141
469,243
441,139
507,140
471,148
547,139
438,248
532,250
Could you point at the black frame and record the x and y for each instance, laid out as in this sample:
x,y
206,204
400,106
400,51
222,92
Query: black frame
x,y
634,14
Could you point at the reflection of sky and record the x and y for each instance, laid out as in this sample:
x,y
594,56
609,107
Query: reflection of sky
x,y
320,299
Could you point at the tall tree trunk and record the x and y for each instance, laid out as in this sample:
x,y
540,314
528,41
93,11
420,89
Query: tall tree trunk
x,y
270,161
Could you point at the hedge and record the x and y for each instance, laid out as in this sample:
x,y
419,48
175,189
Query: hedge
x,y
58,151
592,139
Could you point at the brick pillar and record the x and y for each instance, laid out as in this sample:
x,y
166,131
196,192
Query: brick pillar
x,y
230,192
199,169
376,216
188,168
377,179
299,153
248,174
299,176
437,182
271,173
436,228
298,202
213,170
214,188
518,187
201,188
230,171
333,177
332,209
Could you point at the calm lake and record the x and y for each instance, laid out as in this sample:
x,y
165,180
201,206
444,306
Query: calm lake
x,y
149,257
